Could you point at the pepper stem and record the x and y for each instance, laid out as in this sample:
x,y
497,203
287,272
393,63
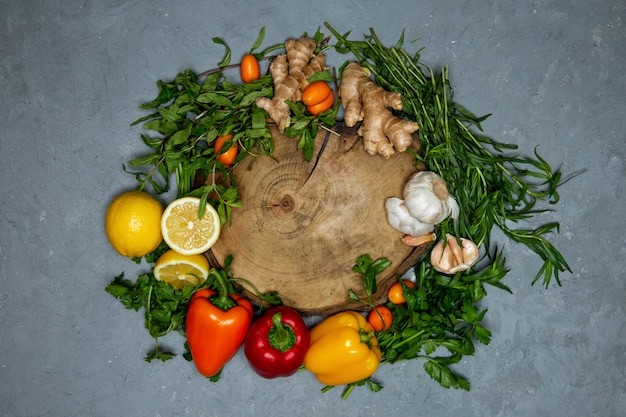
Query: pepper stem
x,y
281,336
366,337
222,299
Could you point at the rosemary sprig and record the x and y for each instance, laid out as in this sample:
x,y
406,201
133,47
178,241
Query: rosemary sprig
x,y
493,186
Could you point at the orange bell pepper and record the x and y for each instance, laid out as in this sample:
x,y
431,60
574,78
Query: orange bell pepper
x,y
216,326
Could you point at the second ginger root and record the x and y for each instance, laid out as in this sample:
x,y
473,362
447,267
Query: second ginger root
x,y
383,133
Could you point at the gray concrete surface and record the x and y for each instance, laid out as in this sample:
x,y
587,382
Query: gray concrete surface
x,y
72,74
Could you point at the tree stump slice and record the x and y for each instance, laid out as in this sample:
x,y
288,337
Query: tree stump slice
x,y
302,227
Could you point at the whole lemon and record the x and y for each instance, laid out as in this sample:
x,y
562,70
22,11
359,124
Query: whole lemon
x,y
133,223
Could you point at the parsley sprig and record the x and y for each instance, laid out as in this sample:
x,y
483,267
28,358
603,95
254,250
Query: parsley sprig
x,y
164,307
438,324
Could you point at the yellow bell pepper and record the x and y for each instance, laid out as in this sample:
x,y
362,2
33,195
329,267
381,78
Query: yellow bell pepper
x,y
343,349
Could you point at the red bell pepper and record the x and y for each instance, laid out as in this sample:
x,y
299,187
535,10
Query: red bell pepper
x,y
216,326
277,342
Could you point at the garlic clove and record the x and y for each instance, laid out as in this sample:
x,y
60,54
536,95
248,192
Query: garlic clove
x,y
450,257
418,240
453,206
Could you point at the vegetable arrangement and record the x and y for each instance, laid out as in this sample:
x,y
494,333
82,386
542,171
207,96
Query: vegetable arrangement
x,y
203,125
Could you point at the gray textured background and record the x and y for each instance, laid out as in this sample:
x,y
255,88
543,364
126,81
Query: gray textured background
x,y
72,74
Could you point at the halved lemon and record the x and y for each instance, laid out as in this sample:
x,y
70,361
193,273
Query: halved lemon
x,y
181,270
184,231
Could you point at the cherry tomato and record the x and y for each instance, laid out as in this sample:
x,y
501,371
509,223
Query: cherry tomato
x,y
395,294
380,318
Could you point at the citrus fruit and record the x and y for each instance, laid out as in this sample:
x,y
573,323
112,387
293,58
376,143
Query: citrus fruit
x,y
380,318
318,108
133,223
228,156
181,270
315,93
184,231
249,69
395,294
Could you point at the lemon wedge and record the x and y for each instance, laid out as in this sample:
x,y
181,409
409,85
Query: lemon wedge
x,y
181,270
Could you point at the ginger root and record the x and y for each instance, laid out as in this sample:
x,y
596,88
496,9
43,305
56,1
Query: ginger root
x,y
366,101
290,72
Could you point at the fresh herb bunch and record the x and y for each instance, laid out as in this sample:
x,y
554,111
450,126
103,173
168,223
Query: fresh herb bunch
x,y
192,110
439,321
438,324
165,308
492,187
188,114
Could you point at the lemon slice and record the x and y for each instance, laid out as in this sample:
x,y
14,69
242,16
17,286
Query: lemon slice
x,y
181,270
184,231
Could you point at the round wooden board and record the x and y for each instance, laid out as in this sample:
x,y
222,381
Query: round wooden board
x,y
302,227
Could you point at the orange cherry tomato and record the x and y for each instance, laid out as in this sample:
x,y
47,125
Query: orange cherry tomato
x,y
315,93
316,109
380,318
228,156
249,68
395,294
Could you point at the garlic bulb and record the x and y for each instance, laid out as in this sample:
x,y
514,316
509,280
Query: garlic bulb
x,y
449,257
427,199
426,203
399,218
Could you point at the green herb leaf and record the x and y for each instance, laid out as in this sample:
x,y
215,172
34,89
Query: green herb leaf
x,y
162,356
179,137
226,60
445,376
368,269
259,40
